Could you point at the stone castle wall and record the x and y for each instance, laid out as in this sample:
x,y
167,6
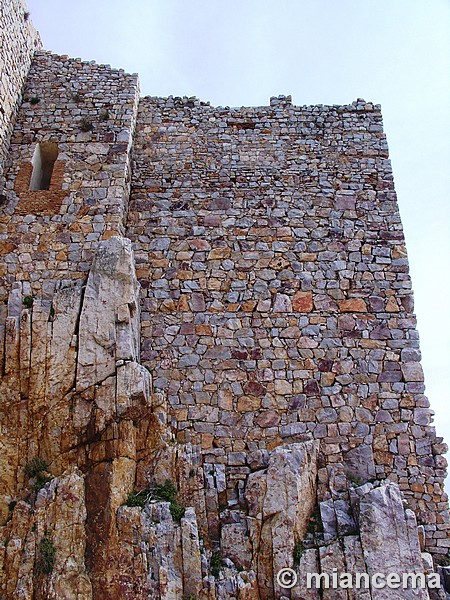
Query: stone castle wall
x,y
18,41
276,320
276,299
50,234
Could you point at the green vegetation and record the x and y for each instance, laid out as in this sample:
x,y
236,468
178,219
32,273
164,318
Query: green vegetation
x,y
28,301
46,555
86,125
35,466
104,116
355,481
35,100
177,511
35,469
166,492
137,499
40,481
215,563
298,551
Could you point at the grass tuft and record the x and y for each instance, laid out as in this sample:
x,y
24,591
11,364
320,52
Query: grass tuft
x,y
166,492
215,563
28,301
46,555
86,125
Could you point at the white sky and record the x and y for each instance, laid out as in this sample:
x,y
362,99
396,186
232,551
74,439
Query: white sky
x,y
241,52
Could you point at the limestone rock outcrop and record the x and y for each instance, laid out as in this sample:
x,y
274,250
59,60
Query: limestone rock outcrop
x,y
282,499
45,543
73,358
389,538
109,320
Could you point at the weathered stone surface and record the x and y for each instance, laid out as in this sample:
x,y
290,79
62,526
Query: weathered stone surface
x,y
133,394
309,563
107,485
345,202
275,306
268,418
192,568
59,518
255,493
332,559
109,321
288,503
18,46
389,539
345,521
329,522
282,303
235,544
359,463
354,562
302,302
353,305
62,353
412,371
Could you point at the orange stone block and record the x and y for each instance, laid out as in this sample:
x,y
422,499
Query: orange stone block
x,y
204,329
352,305
161,263
167,306
109,233
207,441
302,302
232,307
183,303
185,275
218,253
392,305
248,404
7,247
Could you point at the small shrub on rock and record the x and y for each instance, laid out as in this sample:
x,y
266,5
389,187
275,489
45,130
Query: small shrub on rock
x,y
46,555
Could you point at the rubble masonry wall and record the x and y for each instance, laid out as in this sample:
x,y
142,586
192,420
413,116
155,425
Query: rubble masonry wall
x,y
18,41
276,302
276,298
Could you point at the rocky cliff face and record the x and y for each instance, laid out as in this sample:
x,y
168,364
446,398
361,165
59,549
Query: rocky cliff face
x,y
100,502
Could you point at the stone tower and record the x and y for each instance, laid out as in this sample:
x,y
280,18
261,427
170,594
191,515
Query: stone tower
x,y
210,368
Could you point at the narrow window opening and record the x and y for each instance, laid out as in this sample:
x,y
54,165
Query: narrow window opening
x,y
43,161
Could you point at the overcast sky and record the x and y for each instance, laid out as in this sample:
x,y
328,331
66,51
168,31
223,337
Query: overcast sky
x,y
241,52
